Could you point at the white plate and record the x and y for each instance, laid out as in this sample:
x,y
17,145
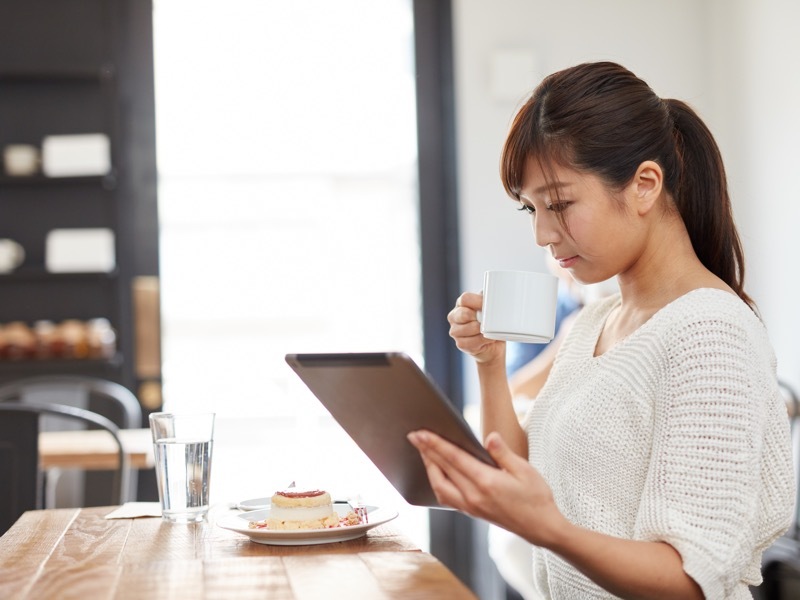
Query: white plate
x,y
255,504
301,537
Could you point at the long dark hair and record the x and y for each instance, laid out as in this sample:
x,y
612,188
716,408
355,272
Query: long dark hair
x,y
600,118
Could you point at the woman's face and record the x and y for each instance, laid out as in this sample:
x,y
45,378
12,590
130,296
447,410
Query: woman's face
x,y
599,235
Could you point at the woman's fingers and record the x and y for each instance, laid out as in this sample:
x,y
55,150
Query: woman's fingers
x,y
465,328
470,300
459,479
503,455
460,315
463,321
468,338
465,310
437,448
447,493
468,332
463,324
469,485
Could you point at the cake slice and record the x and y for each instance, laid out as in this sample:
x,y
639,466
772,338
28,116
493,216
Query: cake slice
x,y
296,509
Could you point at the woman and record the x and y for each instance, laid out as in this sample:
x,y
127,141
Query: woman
x,y
655,461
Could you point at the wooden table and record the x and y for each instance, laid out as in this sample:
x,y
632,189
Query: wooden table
x,y
77,553
94,449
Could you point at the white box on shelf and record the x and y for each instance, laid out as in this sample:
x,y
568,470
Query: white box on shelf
x,y
76,155
80,250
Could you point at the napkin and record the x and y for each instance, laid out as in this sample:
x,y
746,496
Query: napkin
x,y
132,510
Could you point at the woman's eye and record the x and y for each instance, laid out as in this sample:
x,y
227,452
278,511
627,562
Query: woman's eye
x,y
527,208
558,207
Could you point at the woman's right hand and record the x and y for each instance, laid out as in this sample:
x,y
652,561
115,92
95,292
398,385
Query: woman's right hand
x,y
465,329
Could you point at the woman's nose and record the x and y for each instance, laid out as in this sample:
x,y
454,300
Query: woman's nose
x,y
546,228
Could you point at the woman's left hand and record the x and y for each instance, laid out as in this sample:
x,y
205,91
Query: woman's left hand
x,y
514,496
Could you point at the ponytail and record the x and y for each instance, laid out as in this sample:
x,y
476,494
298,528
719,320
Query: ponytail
x,y
700,191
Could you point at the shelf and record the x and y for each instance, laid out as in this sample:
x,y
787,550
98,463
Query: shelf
x,y
75,75
79,68
32,274
64,365
107,182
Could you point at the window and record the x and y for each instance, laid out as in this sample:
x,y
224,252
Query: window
x,y
287,198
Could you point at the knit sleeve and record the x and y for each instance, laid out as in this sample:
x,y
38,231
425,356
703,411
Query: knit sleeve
x,y
703,493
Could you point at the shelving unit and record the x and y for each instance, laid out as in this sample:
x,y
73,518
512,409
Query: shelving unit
x,y
107,182
92,75
43,203
79,67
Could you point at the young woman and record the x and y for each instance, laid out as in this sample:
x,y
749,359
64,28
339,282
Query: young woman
x,y
655,461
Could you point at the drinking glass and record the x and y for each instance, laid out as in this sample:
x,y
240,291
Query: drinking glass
x,y
183,444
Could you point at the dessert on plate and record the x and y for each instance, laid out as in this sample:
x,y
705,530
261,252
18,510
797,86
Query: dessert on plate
x,y
293,509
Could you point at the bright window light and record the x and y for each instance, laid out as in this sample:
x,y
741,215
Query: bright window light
x,y
288,212
287,191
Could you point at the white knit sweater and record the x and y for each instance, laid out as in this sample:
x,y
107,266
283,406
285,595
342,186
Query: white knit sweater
x,y
678,433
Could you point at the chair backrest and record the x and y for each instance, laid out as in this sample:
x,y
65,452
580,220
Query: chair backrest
x,y
108,398
20,475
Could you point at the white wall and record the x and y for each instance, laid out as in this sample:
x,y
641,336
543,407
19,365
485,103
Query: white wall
x,y
767,132
733,60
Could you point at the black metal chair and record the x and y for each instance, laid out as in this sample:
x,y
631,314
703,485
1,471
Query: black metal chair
x,y
20,473
106,398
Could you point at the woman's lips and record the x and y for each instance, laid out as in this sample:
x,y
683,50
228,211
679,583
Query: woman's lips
x,y
567,262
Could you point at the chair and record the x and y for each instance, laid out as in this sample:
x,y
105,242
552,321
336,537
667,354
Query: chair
x,y
20,474
106,398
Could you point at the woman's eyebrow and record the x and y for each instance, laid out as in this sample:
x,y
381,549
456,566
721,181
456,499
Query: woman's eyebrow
x,y
556,185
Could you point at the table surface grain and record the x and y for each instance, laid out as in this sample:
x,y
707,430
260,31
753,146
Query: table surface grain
x,y
77,553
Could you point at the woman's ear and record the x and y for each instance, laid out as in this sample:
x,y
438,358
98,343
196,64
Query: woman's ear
x,y
646,186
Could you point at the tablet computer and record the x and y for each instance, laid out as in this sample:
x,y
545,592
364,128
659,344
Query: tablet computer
x,y
378,398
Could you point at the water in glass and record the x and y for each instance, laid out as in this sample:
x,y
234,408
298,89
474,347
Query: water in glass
x,y
183,473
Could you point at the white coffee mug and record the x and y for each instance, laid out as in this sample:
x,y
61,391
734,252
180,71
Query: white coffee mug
x,y
12,255
519,306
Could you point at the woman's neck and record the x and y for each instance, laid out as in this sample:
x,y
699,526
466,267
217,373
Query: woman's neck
x,y
667,269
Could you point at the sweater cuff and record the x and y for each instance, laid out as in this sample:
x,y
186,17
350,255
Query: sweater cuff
x,y
697,566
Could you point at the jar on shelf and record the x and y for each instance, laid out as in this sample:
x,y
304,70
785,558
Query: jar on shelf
x,y
76,341
45,332
20,341
102,339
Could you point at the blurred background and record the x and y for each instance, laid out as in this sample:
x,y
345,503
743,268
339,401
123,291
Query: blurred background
x,y
322,175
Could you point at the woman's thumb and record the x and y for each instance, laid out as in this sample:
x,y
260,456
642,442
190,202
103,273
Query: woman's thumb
x,y
499,450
